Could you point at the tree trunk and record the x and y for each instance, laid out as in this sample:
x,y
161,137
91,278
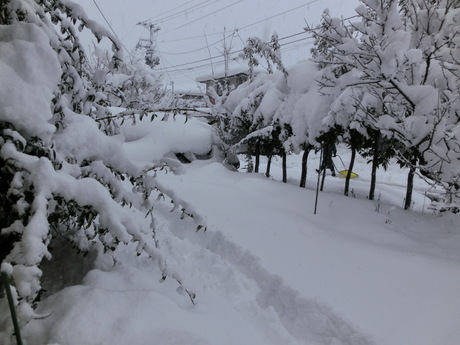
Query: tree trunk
x,y
410,187
319,176
375,164
284,167
350,170
303,174
269,164
256,167
323,178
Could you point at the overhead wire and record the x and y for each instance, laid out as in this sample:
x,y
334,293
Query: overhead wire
x,y
207,45
207,2
279,14
162,59
209,14
170,10
308,39
175,69
233,52
110,26
194,68
236,31
246,26
177,14
235,59
189,10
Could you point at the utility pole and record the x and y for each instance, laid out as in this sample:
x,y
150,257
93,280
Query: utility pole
x,y
150,44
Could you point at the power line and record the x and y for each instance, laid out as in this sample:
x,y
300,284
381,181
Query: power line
x,y
173,9
293,35
174,15
295,41
310,37
194,68
234,52
244,27
206,47
304,44
234,32
178,14
162,59
235,59
189,10
110,26
279,14
209,14
203,48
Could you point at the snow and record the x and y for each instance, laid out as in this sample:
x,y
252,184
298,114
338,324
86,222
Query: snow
x,y
230,72
190,34
36,78
82,140
365,267
148,142
275,100
267,270
264,269
6,268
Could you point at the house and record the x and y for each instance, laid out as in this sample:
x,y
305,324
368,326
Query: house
x,y
233,78
193,103
189,99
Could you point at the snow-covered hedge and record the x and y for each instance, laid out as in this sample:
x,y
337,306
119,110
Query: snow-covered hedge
x,y
387,84
63,172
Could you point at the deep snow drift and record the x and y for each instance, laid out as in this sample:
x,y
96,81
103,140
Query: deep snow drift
x,y
267,270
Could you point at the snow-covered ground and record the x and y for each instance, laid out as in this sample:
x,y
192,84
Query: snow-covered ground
x,y
268,270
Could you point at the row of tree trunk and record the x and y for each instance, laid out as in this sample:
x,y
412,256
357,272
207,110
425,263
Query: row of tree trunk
x,y
375,165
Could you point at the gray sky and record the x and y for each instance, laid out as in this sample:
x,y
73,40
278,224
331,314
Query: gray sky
x,y
190,41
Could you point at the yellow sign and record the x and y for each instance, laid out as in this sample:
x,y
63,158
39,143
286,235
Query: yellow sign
x,y
343,173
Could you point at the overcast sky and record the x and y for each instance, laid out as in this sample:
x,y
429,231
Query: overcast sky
x,y
190,41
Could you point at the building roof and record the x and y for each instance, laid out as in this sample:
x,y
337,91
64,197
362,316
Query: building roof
x,y
219,75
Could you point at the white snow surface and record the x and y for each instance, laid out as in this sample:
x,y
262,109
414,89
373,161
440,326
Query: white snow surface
x,y
268,270
28,64
149,141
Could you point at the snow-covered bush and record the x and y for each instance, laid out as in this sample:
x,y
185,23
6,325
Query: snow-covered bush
x,y
133,85
278,113
401,80
62,172
387,84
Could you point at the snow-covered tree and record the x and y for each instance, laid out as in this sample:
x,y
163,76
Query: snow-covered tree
x,y
133,85
402,79
341,112
241,125
286,108
269,51
61,172
238,111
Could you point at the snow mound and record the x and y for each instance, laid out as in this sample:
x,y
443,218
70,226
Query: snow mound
x,y
36,77
238,302
148,141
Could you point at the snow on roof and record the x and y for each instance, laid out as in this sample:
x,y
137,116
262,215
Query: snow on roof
x,y
189,92
217,75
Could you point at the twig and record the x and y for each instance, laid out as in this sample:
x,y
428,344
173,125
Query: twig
x,y
14,317
132,112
